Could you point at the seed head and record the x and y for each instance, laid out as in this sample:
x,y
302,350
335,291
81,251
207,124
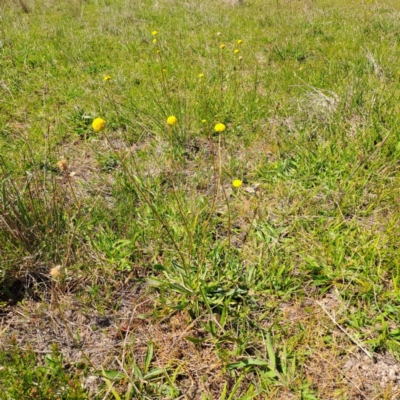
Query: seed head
x,y
62,165
56,271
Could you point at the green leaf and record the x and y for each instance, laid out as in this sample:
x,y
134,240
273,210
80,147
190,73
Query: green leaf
x,y
149,357
247,363
112,375
154,373
271,353
194,340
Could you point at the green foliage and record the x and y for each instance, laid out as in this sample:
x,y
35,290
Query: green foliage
x,y
310,102
22,376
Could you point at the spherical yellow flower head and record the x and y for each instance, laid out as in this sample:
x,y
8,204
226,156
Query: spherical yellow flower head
x,y
106,78
172,120
154,40
240,41
237,183
204,121
219,127
236,51
164,70
222,46
98,124
154,33
201,76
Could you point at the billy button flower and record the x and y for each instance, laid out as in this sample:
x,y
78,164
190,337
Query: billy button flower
x,y
222,46
154,33
154,40
236,51
172,120
240,41
219,127
98,124
106,78
237,183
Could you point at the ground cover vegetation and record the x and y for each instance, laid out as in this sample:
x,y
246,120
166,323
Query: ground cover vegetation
x,y
199,200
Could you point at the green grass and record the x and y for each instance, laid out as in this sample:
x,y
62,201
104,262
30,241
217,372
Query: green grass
x,y
209,291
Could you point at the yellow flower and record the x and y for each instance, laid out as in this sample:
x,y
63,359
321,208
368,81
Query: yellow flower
x,y
164,70
98,124
172,120
154,33
236,51
106,78
240,41
219,127
237,183
201,75
204,121
222,46
154,40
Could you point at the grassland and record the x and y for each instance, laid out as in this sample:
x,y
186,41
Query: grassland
x,y
130,265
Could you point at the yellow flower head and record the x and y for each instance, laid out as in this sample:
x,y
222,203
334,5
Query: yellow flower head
x,y
106,78
222,46
98,124
154,40
240,41
236,51
219,127
154,33
201,75
237,183
204,121
172,120
164,70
